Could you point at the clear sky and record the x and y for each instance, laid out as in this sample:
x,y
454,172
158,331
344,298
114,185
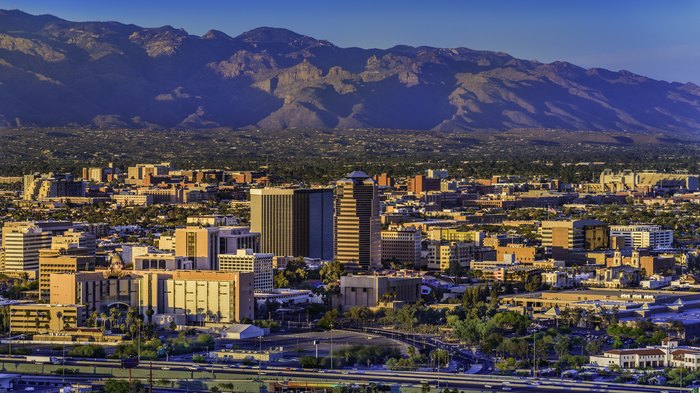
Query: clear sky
x,y
660,39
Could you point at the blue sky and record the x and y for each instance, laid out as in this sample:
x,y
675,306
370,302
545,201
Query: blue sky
x,y
660,39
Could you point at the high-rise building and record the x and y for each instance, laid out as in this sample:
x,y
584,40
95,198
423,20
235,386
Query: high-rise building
x,y
293,222
200,245
99,174
643,236
22,245
357,221
247,261
384,180
402,245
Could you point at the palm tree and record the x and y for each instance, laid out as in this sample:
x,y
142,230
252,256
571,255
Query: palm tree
x,y
92,320
103,318
112,317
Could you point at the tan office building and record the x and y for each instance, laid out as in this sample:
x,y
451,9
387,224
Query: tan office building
x,y
402,245
357,222
72,238
62,260
441,255
200,245
455,235
574,235
523,254
44,318
186,296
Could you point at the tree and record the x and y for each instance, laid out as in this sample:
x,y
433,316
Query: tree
x,y
103,319
533,283
358,314
506,365
329,319
440,357
331,272
292,275
510,322
121,386
562,345
593,346
456,269
470,330
87,351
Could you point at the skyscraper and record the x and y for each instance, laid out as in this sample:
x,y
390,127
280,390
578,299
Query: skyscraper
x,y
357,223
293,222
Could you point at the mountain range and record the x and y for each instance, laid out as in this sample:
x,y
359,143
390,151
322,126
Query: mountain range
x,y
55,72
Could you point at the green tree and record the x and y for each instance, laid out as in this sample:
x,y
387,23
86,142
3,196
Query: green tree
x,y
329,319
562,345
331,272
533,283
593,346
358,314
87,351
121,386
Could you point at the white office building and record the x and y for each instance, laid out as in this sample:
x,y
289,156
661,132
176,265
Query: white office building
x,y
245,260
643,236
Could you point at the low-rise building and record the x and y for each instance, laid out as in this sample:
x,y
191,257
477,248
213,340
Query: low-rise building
x,y
370,290
288,297
442,255
631,358
614,277
643,236
558,280
34,318
122,200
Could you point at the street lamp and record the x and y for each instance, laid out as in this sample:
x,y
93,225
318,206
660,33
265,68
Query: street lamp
x,y
331,346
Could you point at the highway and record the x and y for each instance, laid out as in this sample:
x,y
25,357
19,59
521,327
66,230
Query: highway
x,y
230,373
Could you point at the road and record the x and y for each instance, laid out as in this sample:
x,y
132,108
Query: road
x,y
222,373
465,358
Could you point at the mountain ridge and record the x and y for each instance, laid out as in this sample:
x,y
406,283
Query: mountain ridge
x,y
55,72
